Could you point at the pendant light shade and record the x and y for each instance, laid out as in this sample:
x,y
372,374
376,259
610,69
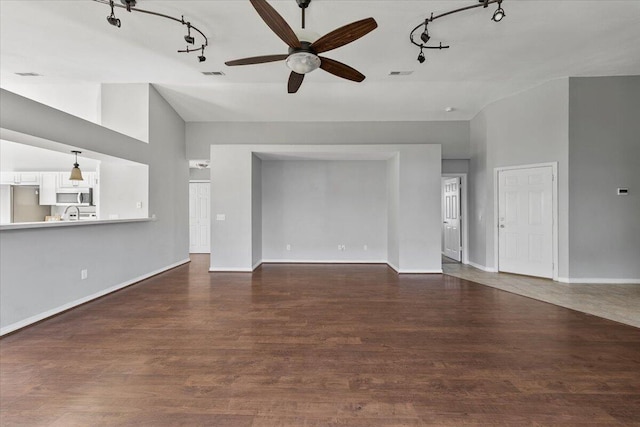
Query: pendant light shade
x,y
76,173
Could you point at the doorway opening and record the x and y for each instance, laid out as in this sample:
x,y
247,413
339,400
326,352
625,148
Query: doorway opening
x,y
199,217
454,219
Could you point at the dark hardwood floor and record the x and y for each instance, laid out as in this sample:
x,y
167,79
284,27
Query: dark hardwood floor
x,y
319,345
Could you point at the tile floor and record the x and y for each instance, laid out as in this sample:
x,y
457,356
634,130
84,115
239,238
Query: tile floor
x,y
620,303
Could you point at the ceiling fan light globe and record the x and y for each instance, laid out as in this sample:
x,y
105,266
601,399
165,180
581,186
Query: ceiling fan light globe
x,y
303,62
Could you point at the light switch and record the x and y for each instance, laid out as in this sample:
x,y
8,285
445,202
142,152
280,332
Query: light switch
x,y
221,217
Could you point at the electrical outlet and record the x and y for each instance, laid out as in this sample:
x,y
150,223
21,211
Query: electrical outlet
x,y
342,248
366,248
288,247
139,205
83,274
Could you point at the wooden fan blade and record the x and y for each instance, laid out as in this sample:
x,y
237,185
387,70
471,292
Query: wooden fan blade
x,y
344,35
295,80
341,70
276,22
256,60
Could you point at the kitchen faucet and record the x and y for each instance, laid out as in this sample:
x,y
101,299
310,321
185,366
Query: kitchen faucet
x,y
77,212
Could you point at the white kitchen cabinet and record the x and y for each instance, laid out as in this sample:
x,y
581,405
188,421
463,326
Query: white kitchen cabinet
x,y
64,182
20,178
48,188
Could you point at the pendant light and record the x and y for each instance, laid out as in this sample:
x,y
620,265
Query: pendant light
x,y
76,173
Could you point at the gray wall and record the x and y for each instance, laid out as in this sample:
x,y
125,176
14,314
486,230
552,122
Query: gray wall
x,y
604,154
314,206
455,166
528,128
37,273
452,135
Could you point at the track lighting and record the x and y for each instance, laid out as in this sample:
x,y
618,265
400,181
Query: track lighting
x,y
499,13
425,37
425,34
111,19
129,5
189,38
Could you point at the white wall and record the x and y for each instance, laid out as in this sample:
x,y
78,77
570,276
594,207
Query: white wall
x,y
452,135
78,99
316,205
418,212
36,276
124,109
256,210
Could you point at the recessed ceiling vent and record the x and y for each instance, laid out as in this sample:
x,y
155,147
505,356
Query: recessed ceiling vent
x,y
28,74
400,73
213,73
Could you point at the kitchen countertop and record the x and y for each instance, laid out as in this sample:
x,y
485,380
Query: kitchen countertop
x,y
78,223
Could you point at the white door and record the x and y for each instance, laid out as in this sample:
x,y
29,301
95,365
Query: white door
x,y
451,218
199,218
525,221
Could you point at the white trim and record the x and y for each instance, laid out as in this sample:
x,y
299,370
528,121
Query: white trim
x,y
199,181
465,213
482,267
397,270
420,271
49,313
554,227
230,270
589,280
322,261
256,265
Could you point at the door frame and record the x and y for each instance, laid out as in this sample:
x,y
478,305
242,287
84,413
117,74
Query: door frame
x,y
554,211
464,224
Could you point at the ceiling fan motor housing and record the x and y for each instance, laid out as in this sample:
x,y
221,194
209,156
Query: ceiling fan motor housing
x,y
303,3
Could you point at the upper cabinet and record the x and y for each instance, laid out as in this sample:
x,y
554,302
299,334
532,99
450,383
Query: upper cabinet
x,y
64,182
20,178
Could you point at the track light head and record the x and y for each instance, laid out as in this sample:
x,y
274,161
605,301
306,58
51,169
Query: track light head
x,y
498,14
128,4
421,57
425,37
111,19
202,58
190,39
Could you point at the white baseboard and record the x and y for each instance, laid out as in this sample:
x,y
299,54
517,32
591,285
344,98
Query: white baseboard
x,y
38,317
395,267
587,281
230,270
256,265
482,267
420,271
322,261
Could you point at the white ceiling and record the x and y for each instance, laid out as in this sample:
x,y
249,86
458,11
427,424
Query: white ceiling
x,y
21,157
71,42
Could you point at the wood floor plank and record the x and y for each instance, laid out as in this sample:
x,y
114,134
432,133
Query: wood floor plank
x,y
319,345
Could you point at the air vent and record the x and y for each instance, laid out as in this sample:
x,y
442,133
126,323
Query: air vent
x,y
28,74
400,73
213,73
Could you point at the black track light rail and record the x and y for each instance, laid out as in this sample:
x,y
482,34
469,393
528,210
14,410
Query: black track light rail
x,y
482,3
181,20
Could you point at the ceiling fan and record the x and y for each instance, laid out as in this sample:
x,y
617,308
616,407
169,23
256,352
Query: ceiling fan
x,y
303,54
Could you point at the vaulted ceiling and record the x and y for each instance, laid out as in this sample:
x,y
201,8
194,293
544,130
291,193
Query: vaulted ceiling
x,y
71,41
